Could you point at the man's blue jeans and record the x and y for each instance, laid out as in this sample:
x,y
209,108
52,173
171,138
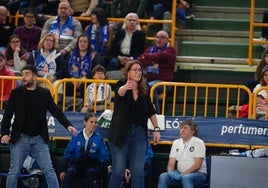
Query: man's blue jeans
x,y
186,180
38,149
134,150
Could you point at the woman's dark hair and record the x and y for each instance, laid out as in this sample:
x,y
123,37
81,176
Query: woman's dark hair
x,y
89,115
29,10
98,68
260,66
100,15
10,52
89,49
142,84
263,71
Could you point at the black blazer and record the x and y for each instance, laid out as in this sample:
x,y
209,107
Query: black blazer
x,y
123,108
16,105
137,46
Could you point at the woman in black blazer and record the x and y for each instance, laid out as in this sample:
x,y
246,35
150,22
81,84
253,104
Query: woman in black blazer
x,y
129,42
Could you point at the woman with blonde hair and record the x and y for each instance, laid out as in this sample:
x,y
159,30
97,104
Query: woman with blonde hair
x,y
48,60
129,42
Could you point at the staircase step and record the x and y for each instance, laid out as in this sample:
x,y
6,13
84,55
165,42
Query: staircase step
x,y
214,49
215,61
231,3
219,24
226,12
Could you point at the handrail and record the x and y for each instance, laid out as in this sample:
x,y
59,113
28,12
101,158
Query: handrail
x,y
204,98
255,96
251,33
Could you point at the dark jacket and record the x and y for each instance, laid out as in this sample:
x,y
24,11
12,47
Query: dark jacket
x,y
16,105
123,108
137,46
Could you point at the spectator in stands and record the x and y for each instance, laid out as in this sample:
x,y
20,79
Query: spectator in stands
x,y
7,85
189,152
262,93
128,44
127,135
80,64
100,35
29,33
86,155
29,135
98,94
83,7
262,104
181,11
128,6
156,10
251,84
17,56
48,60
159,62
6,29
65,28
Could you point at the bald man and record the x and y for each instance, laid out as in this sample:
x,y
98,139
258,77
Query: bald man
x,y
159,61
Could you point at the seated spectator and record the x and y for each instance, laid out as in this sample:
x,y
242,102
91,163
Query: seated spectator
x,y
263,93
65,28
80,63
29,33
98,95
189,152
17,57
83,7
86,155
129,43
100,35
159,62
262,104
181,10
6,29
48,60
251,84
125,7
7,85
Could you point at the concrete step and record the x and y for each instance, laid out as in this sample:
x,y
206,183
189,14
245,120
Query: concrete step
x,y
217,49
225,12
231,3
219,24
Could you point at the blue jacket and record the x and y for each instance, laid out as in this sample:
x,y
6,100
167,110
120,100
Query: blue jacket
x,y
97,152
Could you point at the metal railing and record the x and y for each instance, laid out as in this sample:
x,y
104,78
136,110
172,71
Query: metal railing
x,y
253,24
200,99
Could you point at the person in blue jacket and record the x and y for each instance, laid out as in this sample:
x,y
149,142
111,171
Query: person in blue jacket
x,y
86,155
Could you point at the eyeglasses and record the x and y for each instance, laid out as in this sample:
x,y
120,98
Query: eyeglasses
x,y
49,40
160,37
29,16
14,42
130,20
136,70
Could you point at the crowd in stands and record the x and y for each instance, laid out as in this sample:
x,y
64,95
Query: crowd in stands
x,y
64,47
